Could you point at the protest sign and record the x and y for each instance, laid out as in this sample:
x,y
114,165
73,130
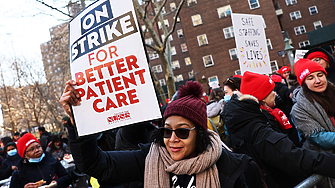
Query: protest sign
x,y
299,54
109,64
251,47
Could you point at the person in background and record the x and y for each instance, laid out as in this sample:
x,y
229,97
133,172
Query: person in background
x,y
314,110
284,72
252,132
284,95
229,86
4,141
11,162
16,137
57,148
325,59
36,165
183,153
45,137
214,108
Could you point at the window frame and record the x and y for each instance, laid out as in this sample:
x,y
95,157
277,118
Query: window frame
x,y
252,8
224,14
276,64
190,74
304,44
231,32
300,29
183,47
210,79
193,20
315,26
191,2
162,82
204,39
156,69
186,62
180,33
173,52
172,8
173,64
230,54
316,9
268,43
204,60
295,15
290,2
179,80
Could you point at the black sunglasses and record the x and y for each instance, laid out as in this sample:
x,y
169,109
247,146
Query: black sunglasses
x,y
181,133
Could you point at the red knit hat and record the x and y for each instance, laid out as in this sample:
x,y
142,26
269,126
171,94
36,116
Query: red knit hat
x,y
283,69
257,85
304,67
237,76
318,54
24,142
276,78
189,104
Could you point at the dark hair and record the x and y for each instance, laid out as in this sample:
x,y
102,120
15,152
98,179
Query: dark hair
x,y
217,94
5,140
7,145
56,138
17,134
233,83
41,129
202,138
23,133
325,98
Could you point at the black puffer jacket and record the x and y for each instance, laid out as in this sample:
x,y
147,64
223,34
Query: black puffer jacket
x,y
284,164
48,169
6,167
330,70
119,167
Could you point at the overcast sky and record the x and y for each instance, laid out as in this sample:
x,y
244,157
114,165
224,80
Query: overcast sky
x,y
24,25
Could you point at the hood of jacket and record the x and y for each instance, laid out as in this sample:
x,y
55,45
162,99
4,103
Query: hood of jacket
x,y
213,108
239,112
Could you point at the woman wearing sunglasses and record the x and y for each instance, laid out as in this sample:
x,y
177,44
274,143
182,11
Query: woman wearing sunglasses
x,y
183,153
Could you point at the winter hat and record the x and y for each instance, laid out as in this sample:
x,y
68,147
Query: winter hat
x,y
318,54
283,69
276,78
237,76
24,142
257,85
304,67
189,104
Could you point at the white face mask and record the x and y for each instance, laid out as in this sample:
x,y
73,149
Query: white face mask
x,y
12,152
36,160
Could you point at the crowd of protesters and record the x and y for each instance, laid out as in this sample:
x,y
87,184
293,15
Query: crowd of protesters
x,y
254,131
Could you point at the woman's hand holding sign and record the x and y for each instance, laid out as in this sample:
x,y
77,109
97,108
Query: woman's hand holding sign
x,y
69,97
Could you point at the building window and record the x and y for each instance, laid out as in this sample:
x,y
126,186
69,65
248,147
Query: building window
x,y
170,37
173,50
268,43
196,19
313,10
274,66
304,44
191,74
299,30
253,4
178,78
213,79
166,22
180,33
173,6
157,68
295,15
141,2
224,11
317,24
233,54
153,55
191,2
178,19
208,60
162,11
228,32
183,47
149,41
143,28
290,2
162,82
202,40
188,61
238,72
175,64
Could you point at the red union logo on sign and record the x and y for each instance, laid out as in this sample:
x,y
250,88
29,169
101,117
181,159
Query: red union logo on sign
x,y
117,117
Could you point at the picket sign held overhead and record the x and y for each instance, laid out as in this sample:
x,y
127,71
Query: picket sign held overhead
x,y
109,64
251,46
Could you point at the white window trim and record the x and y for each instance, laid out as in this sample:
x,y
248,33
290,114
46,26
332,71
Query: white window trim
x,y
162,82
295,15
310,12
193,17
183,49
178,80
231,57
254,7
205,39
173,6
291,2
156,69
190,74
238,72
299,28
304,45
319,22
275,64
180,33
186,62
173,50
231,32
173,64
191,2
215,80
268,43
224,13
203,59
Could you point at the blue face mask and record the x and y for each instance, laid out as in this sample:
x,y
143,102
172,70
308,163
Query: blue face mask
x,y
227,98
36,160
12,152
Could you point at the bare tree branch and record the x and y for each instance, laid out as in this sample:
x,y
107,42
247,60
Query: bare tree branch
x,y
54,8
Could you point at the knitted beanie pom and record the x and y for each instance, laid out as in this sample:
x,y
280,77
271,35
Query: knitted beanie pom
x,y
190,88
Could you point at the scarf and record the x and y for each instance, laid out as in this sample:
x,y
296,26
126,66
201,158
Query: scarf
x,y
279,116
159,164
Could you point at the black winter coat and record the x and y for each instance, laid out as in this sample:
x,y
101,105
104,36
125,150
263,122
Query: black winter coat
x,y
330,70
283,100
6,167
48,169
119,167
284,164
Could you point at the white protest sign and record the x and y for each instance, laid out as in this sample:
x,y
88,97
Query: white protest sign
x,y
299,54
251,47
110,67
